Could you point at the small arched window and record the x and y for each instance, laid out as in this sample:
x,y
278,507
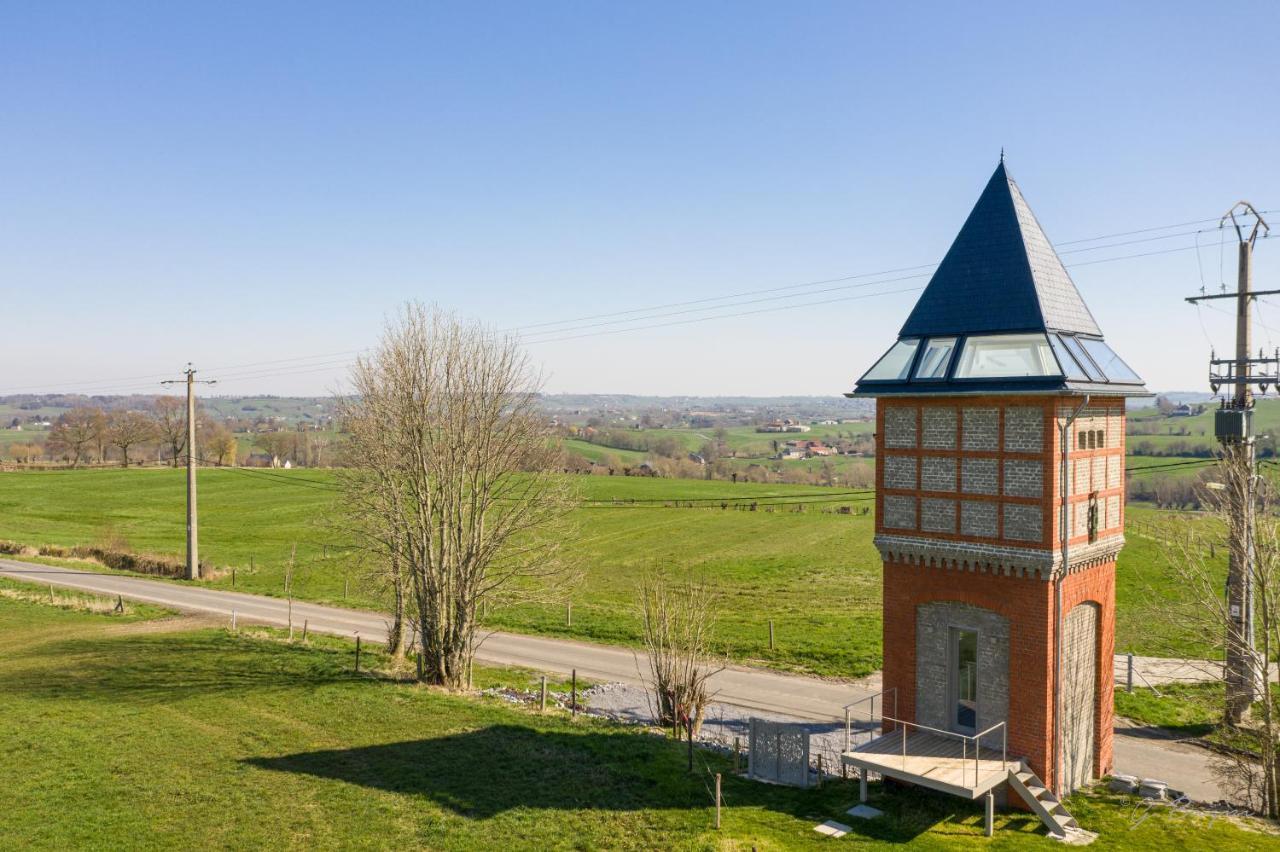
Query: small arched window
x,y
1093,440
1083,440
1102,439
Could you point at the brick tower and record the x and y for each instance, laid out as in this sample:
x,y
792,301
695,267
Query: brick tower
x,y
1000,498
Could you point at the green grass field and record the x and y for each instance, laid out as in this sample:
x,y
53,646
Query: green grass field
x,y
743,440
816,575
118,732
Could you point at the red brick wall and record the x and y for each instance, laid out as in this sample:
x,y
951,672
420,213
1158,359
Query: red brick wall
x,y
1026,602
1028,605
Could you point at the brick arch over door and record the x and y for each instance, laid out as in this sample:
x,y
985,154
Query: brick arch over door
x,y
934,622
1080,641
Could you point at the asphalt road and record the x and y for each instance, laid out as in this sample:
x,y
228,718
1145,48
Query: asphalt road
x,y
1184,767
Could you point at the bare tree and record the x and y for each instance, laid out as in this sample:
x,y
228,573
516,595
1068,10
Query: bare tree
x,y
220,443
169,413
277,445
126,429
75,432
453,482
678,619
1249,770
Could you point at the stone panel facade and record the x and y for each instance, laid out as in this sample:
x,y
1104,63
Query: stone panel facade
x,y
938,515
899,512
939,426
978,518
900,472
900,427
934,623
1079,677
938,473
1023,478
1115,471
1023,429
979,476
981,429
1023,523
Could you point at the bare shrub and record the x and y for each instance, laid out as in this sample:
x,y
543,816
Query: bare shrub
x,y
1251,717
678,619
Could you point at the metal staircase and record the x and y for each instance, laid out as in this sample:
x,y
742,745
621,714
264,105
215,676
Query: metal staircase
x,y
1046,805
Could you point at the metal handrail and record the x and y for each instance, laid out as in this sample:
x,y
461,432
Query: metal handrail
x,y
848,728
964,743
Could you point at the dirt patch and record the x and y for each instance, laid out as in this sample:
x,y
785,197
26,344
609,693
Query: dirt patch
x,y
172,624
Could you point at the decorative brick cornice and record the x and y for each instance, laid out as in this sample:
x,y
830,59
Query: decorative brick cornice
x,y
1037,563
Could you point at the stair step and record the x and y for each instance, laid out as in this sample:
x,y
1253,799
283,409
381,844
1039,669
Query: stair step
x,y
1052,812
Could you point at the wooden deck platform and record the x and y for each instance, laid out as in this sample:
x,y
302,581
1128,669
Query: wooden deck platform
x,y
933,760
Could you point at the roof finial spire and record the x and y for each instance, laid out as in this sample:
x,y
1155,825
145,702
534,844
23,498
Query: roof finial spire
x,y
1002,155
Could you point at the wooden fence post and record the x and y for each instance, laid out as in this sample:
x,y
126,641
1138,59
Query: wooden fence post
x,y
305,624
543,701
568,614
771,634
357,652
573,703
717,800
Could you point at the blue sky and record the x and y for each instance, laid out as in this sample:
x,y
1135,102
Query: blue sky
x,y
243,183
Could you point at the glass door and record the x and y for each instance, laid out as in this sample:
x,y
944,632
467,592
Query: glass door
x,y
964,680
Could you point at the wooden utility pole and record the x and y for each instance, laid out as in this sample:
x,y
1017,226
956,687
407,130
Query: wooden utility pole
x,y
1233,428
193,555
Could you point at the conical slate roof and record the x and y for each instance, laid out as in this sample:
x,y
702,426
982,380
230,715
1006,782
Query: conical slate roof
x,y
1000,314
1000,275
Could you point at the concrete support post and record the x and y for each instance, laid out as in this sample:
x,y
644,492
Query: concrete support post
x,y
990,825
862,785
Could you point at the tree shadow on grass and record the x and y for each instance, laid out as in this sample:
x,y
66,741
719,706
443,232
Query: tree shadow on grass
x,y
167,668
484,773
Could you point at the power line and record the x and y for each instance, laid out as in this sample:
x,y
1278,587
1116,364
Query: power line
x,y
730,316
110,386
737,304
824,281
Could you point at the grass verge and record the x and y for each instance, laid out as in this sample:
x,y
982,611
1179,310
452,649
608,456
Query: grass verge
x,y
113,735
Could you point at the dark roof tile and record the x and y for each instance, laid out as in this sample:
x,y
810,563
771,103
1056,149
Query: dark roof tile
x,y
1000,275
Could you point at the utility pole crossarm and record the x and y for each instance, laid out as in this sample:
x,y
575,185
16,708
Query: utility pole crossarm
x,y
1253,294
193,555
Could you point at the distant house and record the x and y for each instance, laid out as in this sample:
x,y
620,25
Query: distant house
x,y
787,425
804,450
1185,410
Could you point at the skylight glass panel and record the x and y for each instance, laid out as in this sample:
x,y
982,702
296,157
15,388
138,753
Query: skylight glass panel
x,y
896,363
1083,359
1109,362
936,358
1070,366
1006,356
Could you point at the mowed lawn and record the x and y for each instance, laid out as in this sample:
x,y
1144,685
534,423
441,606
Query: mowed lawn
x,y
118,732
814,574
